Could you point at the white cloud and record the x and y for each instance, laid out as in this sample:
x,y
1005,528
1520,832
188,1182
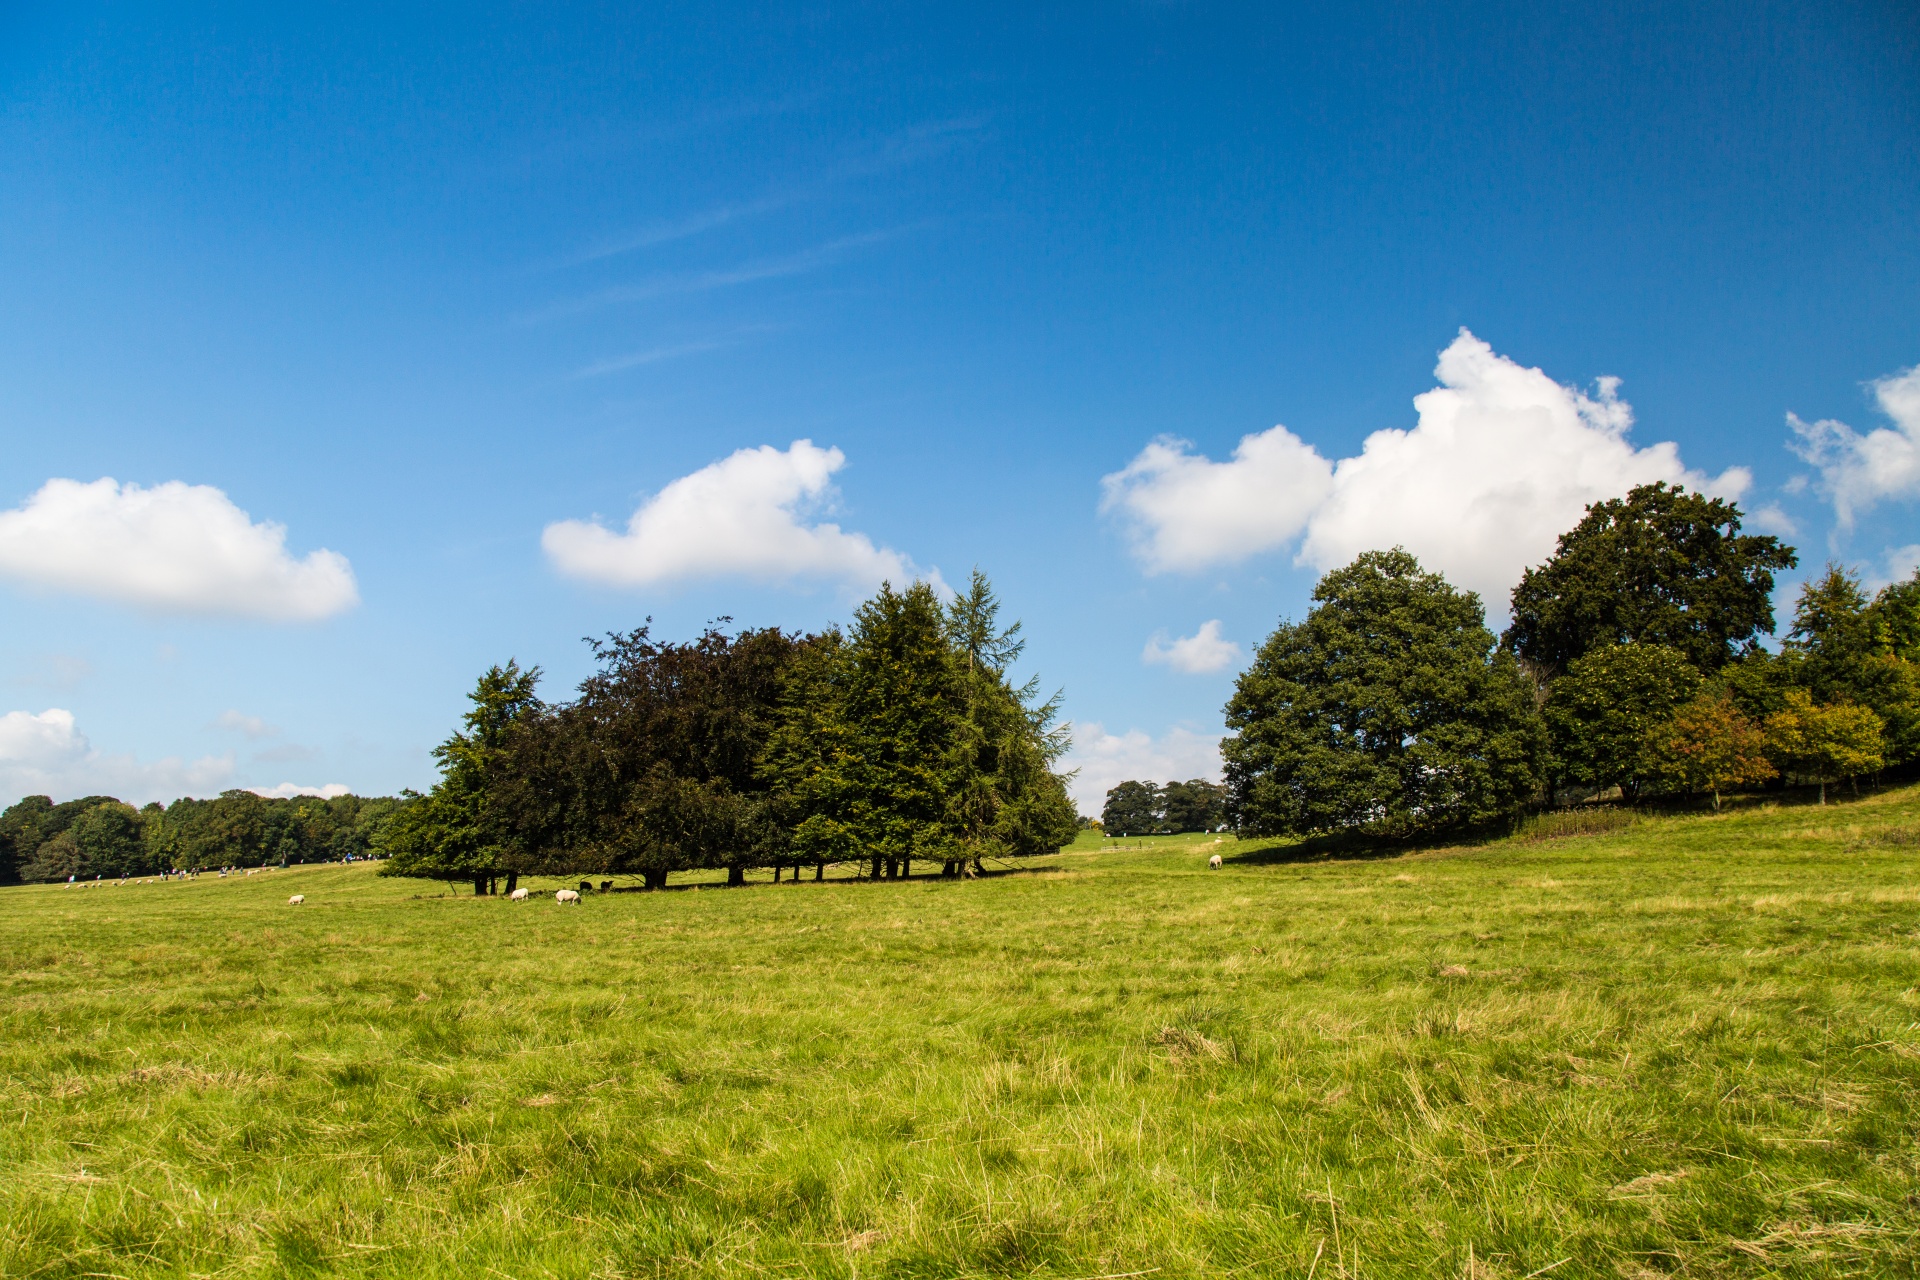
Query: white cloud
x,y
247,726
1106,759
1197,654
1859,471
1898,563
288,790
1500,463
743,516
1188,512
174,548
1772,519
47,754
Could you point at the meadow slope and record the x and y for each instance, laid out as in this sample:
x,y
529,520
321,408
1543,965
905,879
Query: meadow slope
x,y
1691,1046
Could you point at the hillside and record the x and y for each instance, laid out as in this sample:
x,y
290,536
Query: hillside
x,y
1685,1046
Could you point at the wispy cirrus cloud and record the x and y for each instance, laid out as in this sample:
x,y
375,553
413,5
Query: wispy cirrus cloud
x,y
751,271
650,355
685,228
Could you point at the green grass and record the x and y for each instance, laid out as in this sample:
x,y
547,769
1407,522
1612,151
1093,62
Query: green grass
x,y
1688,1046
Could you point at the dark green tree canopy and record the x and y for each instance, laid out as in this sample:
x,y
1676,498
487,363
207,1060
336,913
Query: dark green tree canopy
x,y
1662,566
654,766
904,738
1142,808
1132,809
1608,706
1387,711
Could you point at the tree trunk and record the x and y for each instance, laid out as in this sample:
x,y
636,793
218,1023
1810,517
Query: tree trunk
x,y
736,876
479,886
876,866
513,881
946,869
1716,799
654,879
906,868
1823,791
819,871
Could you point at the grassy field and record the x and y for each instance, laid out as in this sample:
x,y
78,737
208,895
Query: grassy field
x,y
1690,1046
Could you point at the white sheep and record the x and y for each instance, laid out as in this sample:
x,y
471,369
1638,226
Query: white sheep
x,y
567,895
518,895
1213,863
296,899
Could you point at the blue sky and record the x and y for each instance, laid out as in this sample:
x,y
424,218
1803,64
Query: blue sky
x,y
418,287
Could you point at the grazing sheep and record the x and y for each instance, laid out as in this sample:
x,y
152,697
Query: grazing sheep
x,y
1213,863
518,895
296,899
567,895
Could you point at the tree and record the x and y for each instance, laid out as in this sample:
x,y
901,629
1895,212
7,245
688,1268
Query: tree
x,y
1387,711
238,822
30,823
1824,743
1894,618
1845,648
1132,809
1006,799
108,836
449,833
1193,805
1662,566
654,767
1708,745
1601,712
905,739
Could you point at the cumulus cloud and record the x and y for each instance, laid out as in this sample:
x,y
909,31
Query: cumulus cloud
x,y
173,548
743,516
1197,654
288,790
1859,471
1105,760
1186,512
45,753
1501,461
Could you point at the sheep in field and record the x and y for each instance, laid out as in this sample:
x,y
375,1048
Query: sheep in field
x,y
296,899
518,895
567,895
1213,863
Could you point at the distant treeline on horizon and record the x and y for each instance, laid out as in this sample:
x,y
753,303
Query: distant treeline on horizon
x,y
98,836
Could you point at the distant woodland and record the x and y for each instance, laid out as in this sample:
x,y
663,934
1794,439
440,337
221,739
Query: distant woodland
x,y
98,836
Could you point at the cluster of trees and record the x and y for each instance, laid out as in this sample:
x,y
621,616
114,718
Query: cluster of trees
x,y
41,841
1633,661
901,739
1144,809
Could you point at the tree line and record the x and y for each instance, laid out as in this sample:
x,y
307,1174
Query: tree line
x,y
99,836
1135,808
900,739
1633,661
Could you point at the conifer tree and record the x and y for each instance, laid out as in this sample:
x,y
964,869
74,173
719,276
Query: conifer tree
x,y
449,833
